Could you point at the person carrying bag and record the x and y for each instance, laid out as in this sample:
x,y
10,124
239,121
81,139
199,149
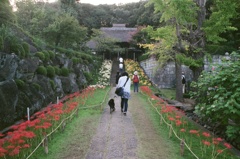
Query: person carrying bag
x,y
125,84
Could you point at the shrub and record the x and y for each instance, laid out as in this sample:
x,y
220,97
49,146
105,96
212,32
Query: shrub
x,y
75,60
20,83
26,49
65,71
41,70
50,71
1,43
46,55
36,86
51,54
88,76
52,83
40,55
57,70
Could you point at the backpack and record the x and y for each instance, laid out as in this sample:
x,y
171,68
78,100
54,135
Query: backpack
x,y
135,78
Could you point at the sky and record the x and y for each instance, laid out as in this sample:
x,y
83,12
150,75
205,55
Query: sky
x,y
97,2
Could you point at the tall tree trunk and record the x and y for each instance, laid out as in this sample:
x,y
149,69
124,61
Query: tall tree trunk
x,y
178,72
198,40
178,68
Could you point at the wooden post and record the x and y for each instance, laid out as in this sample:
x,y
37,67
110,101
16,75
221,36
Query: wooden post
x,y
45,144
182,147
63,125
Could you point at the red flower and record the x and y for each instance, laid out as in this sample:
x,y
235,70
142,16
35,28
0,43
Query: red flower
x,y
26,146
206,143
227,145
15,151
193,131
2,152
183,130
219,139
206,134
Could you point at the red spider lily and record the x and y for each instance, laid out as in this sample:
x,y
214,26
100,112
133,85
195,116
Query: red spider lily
x,y
1,135
2,152
219,139
10,147
227,145
171,118
2,141
21,141
193,131
15,151
206,134
57,117
177,117
183,130
46,125
26,146
207,143
178,122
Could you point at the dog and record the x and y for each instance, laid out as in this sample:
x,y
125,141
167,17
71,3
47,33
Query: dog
x,y
111,104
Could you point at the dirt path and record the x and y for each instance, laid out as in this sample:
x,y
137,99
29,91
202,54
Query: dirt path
x,y
129,137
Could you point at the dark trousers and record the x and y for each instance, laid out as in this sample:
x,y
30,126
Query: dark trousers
x,y
135,86
124,104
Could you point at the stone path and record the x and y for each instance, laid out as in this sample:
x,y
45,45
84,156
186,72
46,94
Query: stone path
x,y
115,137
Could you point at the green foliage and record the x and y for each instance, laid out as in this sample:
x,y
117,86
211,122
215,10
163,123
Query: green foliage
x,y
220,20
50,71
6,13
217,94
42,70
40,55
143,57
1,43
26,49
52,83
75,60
189,61
65,31
88,76
20,83
36,86
51,54
46,55
57,70
64,71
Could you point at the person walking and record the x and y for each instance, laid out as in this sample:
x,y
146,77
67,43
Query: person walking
x,y
135,80
118,75
124,99
120,67
183,82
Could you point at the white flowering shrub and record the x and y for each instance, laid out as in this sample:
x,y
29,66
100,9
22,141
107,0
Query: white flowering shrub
x,y
105,73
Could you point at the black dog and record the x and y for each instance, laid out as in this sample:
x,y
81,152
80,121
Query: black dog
x,y
111,104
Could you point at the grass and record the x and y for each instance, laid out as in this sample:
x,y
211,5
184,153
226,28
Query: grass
x,y
76,138
195,141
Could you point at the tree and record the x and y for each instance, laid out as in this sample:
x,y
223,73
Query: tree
x,y
188,18
6,13
65,31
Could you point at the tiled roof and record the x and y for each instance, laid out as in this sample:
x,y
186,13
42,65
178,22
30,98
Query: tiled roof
x,y
119,32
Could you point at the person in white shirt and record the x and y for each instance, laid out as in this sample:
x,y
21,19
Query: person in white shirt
x,y
121,60
121,67
126,95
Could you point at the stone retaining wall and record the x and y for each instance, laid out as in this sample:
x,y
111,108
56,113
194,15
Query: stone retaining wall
x,y
164,77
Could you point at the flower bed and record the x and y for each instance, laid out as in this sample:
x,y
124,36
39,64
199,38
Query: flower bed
x,y
200,143
131,66
24,138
